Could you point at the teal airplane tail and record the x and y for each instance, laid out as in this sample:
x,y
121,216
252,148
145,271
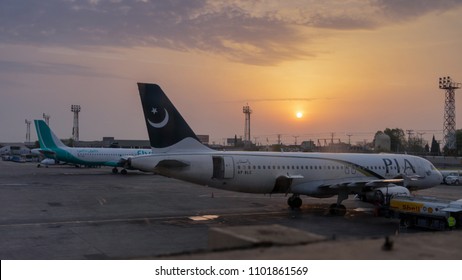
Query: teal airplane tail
x,y
47,139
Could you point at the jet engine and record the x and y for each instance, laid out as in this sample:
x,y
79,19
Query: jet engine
x,y
383,194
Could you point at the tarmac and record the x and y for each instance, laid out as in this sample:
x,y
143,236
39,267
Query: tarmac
x,y
64,212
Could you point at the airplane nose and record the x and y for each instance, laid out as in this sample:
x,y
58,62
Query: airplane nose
x,y
437,176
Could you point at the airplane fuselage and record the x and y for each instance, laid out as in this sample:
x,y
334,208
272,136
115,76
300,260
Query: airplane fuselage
x,y
301,173
93,156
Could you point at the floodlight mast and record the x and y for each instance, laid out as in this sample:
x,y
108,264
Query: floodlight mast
x,y
28,122
247,111
75,129
46,118
449,128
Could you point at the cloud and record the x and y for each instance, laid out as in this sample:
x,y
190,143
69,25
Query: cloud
x,y
44,68
288,99
402,10
254,32
284,99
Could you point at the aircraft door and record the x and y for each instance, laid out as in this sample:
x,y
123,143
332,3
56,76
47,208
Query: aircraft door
x,y
223,167
229,167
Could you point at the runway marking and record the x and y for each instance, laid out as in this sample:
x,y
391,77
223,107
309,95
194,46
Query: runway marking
x,y
145,219
148,220
13,184
204,218
361,209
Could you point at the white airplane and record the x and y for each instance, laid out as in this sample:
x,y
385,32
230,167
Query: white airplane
x,y
52,148
177,153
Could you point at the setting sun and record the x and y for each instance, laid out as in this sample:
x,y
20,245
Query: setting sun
x,y
299,115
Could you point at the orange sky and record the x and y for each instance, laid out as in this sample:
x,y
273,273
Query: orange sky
x,y
352,67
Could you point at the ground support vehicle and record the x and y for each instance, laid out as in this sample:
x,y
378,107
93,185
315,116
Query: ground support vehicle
x,y
425,212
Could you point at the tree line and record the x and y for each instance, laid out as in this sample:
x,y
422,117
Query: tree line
x,y
402,143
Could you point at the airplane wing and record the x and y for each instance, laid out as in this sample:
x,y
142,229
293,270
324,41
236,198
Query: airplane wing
x,y
123,162
336,185
361,184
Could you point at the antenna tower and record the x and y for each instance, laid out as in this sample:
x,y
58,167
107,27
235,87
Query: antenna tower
x,y
449,128
75,129
247,111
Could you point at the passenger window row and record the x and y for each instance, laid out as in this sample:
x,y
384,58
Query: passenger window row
x,y
306,167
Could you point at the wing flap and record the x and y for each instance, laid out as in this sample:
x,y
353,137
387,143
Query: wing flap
x,y
298,176
336,184
383,183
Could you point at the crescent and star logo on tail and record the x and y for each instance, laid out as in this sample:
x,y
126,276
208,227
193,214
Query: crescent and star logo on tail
x,y
158,124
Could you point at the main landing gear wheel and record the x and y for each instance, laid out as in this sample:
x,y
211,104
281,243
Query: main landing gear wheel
x,y
123,172
379,197
337,209
115,170
295,202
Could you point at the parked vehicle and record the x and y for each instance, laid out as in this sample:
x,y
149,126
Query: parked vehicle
x,y
451,177
452,180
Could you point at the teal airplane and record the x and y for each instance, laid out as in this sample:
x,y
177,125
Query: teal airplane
x,y
51,147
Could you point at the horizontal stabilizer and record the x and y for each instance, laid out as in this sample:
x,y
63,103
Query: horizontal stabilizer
x,y
47,153
172,163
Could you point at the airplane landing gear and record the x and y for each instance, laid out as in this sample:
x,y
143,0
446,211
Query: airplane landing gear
x,y
337,209
123,171
295,202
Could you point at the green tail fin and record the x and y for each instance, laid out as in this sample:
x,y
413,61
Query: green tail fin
x,y
46,137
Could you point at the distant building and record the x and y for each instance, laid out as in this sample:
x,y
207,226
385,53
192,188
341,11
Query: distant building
x,y
235,142
14,149
205,139
307,146
123,143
